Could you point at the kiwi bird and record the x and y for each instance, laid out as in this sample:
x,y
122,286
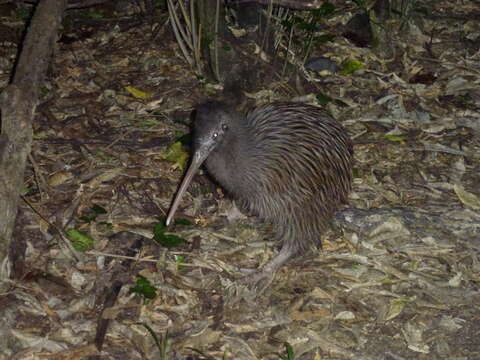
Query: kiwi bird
x,y
289,163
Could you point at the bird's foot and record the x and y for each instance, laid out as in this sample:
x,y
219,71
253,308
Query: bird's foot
x,y
257,281
251,286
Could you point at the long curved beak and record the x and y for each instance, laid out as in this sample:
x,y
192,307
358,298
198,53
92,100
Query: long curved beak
x,y
197,160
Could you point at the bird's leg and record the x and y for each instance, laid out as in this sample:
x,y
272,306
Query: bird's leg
x,y
261,279
234,212
286,252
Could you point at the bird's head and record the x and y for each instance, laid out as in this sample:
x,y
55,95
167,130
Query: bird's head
x,y
212,124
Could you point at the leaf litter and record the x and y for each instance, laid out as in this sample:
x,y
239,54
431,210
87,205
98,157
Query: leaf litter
x,y
398,277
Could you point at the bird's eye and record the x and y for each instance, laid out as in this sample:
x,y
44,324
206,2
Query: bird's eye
x,y
224,127
215,135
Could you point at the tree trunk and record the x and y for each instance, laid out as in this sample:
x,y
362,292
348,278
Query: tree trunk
x,y
18,102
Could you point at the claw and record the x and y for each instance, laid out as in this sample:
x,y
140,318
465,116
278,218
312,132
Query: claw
x,y
257,281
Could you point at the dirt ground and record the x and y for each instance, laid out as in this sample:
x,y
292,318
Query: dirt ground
x,y
399,273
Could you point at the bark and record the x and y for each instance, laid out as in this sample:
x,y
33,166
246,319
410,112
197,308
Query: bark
x,y
18,102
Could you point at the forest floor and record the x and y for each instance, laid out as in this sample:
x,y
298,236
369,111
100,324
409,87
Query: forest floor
x,y
398,276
